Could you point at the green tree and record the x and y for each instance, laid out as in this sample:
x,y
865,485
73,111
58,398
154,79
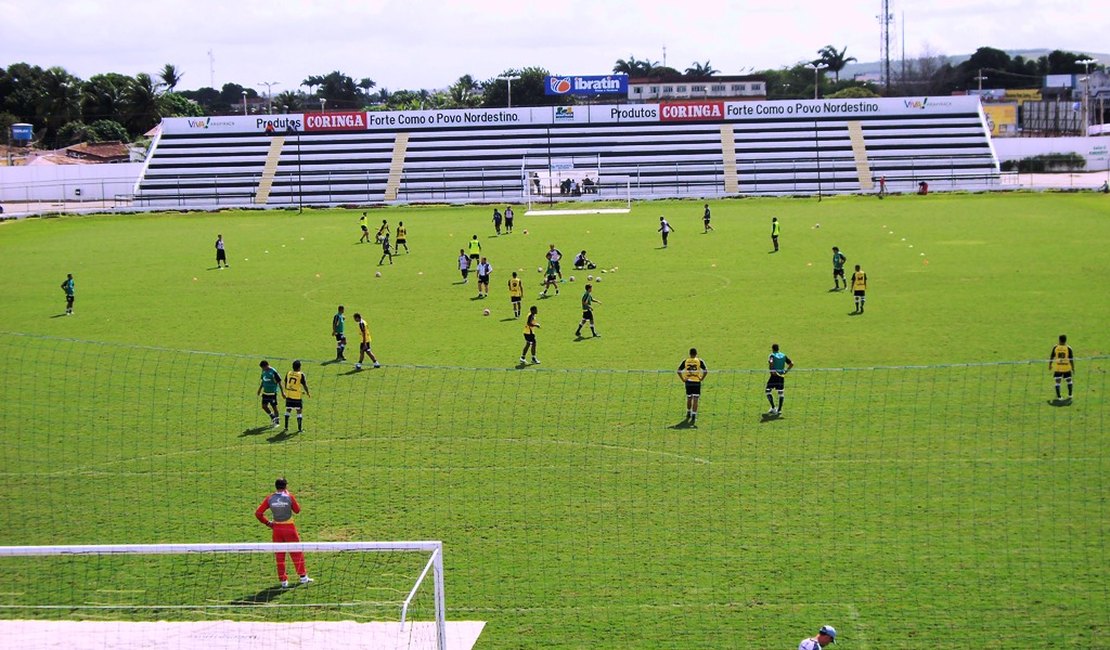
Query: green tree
x,y
465,92
528,90
58,101
143,110
177,105
20,87
366,84
71,133
288,101
852,92
104,97
835,59
634,67
106,131
701,69
340,90
170,76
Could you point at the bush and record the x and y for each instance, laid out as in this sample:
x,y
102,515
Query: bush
x,y
106,131
1049,162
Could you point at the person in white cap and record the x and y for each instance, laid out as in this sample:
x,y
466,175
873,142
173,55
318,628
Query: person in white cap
x,y
825,636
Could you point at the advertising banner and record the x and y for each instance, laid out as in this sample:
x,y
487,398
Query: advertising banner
x,y
586,85
1001,118
336,121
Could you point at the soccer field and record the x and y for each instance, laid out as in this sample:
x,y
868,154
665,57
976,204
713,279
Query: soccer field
x,y
919,487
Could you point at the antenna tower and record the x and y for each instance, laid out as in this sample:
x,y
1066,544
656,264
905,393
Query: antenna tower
x,y
885,19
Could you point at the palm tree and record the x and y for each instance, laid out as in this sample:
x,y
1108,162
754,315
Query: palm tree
x,y
312,81
701,70
366,83
170,76
143,110
834,59
634,67
59,100
465,92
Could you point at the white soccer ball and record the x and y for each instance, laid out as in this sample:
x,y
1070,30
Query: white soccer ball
x,y
485,312
590,277
571,278
597,279
525,232
378,274
817,225
604,271
539,269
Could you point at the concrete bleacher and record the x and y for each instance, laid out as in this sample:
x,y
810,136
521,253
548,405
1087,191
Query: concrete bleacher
x,y
492,155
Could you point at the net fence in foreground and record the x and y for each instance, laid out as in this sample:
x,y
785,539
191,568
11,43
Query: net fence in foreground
x,y
955,506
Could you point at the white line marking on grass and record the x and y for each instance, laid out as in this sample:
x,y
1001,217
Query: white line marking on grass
x,y
859,639
602,445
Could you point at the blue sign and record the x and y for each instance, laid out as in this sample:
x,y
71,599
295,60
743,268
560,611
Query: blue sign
x,y
588,86
22,132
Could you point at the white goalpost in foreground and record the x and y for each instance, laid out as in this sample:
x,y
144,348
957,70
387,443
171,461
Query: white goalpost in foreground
x,y
227,596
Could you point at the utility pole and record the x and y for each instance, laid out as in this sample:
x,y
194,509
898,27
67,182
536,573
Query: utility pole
x,y
1086,63
980,78
817,68
885,18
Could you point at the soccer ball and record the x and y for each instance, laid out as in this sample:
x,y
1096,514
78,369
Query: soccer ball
x,y
378,274
525,232
539,269
597,279
817,225
485,312
590,278
604,271
571,278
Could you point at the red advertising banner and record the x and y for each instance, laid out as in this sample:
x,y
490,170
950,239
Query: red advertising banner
x,y
691,111
337,121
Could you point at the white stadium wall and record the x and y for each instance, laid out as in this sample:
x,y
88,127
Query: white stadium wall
x,y
51,183
697,148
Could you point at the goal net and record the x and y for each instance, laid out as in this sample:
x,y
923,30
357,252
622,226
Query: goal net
x,y
362,595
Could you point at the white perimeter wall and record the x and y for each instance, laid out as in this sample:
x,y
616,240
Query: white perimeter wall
x,y
61,182
1095,150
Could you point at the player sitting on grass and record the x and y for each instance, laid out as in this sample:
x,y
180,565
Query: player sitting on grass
x,y
582,262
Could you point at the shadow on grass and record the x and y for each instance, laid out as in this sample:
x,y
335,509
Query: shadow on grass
x,y
1060,402
61,315
855,313
770,417
505,320
685,424
260,598
255,431
282,436
330,362
213,268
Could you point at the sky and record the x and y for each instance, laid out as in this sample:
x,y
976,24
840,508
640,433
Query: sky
x,y
431,43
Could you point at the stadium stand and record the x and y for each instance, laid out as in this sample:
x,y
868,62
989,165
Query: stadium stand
x,y
485,155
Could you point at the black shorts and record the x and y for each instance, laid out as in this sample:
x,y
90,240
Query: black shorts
x,y
514,299
402,241
365,229
293,403
859,293
1065,374
221,256
838,273
475,258
776,382
269,399
531,338
483,279
363,346
588,314
509,221
693,388
340,337
69,300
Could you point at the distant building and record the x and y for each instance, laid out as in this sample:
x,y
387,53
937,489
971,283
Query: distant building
x,y
655,89
100,152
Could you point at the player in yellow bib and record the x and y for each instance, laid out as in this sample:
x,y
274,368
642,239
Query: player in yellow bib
x,y
1062,364
402,238
295,388
530,327
859,289
364,224
516,294
692,372
364,343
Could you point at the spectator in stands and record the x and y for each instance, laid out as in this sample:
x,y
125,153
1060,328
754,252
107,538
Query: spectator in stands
x,y
576,189
536,183
922,188
582,262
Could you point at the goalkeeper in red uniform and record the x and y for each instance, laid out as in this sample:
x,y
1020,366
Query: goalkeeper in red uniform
x,y
282,506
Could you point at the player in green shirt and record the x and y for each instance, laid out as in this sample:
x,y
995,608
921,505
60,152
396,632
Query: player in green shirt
x,y
268,388
337,325
838,269
588,302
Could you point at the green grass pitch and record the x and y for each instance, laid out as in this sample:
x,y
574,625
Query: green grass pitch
x,y
948,506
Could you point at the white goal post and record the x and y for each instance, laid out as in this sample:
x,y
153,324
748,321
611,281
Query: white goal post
x,y
323,555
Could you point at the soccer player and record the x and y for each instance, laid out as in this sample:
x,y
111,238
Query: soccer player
x,y
516,294
282,506
838,269
387,250
692,372
296,387
530,327
68,288
581,262
362,222
383,231
550,280
338,325
553,257
364,344
508,219
588,302
825,636
775,232
268,388
221,254
464,265
1062,364
705,219
474,249
402,238
484,269
859,289
497,220
778,364
665,229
